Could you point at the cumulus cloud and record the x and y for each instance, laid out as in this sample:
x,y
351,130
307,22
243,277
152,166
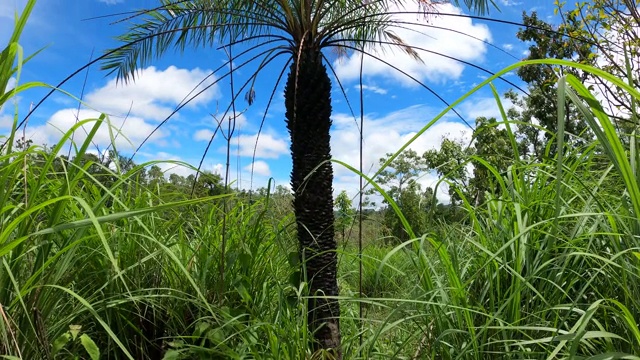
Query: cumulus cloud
x,y
259,167
175,168
477,106
239,175
386,134
155,93
203,135
269,146
240,118
129,132
6,121
152,96
10,84
372,88
434,68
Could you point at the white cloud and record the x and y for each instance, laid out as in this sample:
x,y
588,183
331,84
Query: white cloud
x,y
172,168
9,8
168,165
508,47
111,2
241,121
134,129
259,167
475,107
239,176
435,68
6,121
372,88
269,146
10,84
386,134
203,135
155,93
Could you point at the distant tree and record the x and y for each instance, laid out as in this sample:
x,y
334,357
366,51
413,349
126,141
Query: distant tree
x,y
413,205
118,162
404,169
611,28
450,161
491,144
344,214
400,179
564,41
156,176
280,201
177,180
22,144
209,184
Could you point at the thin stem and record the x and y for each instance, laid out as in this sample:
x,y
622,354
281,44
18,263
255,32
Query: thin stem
x,y
180,106
264,117
414,79
360,203
381,42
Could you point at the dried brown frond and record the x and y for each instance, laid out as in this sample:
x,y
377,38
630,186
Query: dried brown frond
x,y
406,48
250,96
339,51
430,7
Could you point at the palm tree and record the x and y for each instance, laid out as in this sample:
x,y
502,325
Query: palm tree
x,y
301,30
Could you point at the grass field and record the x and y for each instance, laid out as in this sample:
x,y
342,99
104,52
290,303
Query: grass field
x,y
118,269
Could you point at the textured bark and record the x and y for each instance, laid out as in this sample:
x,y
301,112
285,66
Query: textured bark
x,y
308,118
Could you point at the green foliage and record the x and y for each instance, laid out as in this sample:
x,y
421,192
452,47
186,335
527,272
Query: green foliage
x,y
545,266
70,342
345,214
566,41
400,178
450,162
610,27
491,149
521,277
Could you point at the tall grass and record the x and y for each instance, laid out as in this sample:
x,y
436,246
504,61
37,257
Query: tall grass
x,y
547,267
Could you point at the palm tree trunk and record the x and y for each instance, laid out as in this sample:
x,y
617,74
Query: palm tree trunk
x,y
308,118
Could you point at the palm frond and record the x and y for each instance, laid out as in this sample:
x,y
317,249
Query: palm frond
x,y
407,49
481,7
179,24
197,24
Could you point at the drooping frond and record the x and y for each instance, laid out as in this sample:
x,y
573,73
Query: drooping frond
x,y
401,44
178,24
481,7
267,56
197,24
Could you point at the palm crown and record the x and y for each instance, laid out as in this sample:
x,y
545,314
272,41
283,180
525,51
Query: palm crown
x,y
286,26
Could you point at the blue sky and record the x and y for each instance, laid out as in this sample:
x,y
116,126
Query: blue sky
x,y
394,106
